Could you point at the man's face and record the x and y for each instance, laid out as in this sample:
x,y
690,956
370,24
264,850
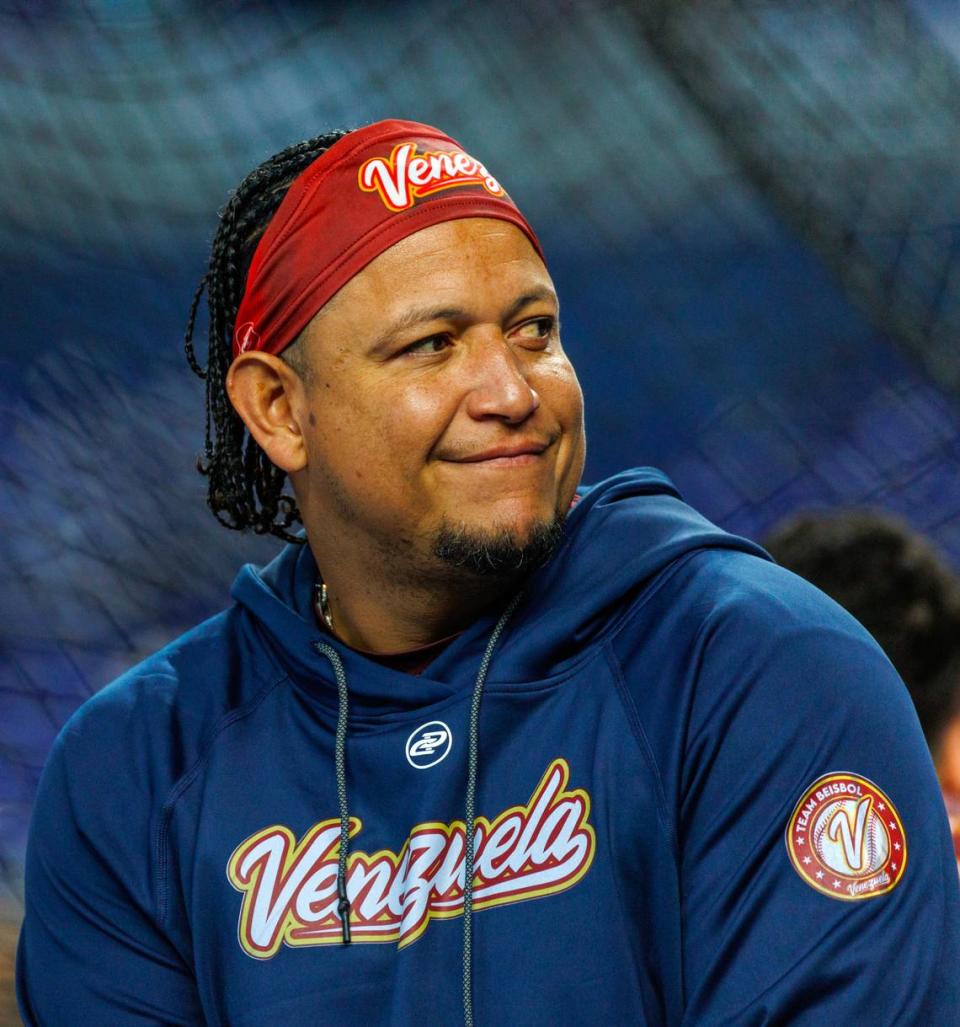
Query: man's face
x,y
440,401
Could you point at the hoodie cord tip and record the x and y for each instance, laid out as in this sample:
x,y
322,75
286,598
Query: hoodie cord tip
x,y
343,908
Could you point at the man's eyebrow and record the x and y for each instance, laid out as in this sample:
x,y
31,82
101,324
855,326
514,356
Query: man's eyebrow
x,y
541,292
424,315
410,319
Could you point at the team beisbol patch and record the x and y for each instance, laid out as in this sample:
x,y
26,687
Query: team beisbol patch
x,y
846,839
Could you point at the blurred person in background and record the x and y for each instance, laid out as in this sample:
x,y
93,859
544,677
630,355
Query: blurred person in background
x,y
652,777
9,928
901,590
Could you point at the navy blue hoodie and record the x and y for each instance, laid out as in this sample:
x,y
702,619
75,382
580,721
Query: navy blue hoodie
x,y
704,798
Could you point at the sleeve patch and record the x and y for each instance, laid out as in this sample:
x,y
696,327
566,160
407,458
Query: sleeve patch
x,y
846,839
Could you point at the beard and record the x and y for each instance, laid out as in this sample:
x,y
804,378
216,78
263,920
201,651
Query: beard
x,y
499,552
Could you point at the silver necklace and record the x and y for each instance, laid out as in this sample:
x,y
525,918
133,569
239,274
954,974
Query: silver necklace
x,y
323,603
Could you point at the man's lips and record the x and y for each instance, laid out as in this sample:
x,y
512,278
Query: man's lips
x,y
513,453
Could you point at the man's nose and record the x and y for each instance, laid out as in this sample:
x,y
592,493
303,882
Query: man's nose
x,y
500,388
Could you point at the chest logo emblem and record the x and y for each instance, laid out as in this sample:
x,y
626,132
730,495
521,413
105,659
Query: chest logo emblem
x,y
846,839
429,744
289,886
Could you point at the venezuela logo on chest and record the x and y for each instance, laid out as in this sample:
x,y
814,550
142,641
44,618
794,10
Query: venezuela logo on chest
x,y
289,887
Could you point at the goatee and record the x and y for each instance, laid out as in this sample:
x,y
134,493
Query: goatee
x,y
497,553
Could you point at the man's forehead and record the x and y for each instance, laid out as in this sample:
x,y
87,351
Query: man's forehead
x,y
452,270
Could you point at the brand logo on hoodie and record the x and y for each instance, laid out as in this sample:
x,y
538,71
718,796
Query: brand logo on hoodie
x,y
289,887
406,176
429,744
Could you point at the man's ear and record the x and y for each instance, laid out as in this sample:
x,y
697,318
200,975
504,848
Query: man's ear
x,y
267,394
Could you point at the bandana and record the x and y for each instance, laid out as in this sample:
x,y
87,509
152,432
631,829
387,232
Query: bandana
x,y
370,189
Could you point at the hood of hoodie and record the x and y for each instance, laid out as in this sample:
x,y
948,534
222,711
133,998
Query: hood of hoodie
x,y
620,537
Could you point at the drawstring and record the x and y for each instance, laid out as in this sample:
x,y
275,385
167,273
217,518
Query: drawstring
x,y
343,904
469,816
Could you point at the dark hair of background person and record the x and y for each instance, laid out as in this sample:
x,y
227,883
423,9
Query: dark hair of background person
x,y
245,490
893,581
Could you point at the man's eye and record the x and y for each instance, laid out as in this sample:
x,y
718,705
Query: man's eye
x,y
538,328
431,344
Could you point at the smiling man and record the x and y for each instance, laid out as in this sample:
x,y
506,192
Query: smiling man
x,y
481,744
436,440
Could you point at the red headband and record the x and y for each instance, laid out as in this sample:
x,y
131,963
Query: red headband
x,y
369,190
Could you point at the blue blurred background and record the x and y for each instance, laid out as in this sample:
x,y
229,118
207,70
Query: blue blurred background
x,y
751,211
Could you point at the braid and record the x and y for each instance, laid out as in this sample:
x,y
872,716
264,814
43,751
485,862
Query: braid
x,y
245,490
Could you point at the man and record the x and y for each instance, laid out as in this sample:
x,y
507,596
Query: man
x,y
902,592
690,783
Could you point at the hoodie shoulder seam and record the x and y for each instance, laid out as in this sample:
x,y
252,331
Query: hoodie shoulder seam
x,y
643,744
188,778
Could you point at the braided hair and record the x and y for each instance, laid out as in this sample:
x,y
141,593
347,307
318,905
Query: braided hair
x,y
245,490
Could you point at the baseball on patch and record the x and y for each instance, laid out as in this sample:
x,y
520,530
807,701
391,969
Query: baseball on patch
x,y
845,838
837,843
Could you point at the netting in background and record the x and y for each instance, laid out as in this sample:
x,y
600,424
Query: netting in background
x,y
749,210
852,139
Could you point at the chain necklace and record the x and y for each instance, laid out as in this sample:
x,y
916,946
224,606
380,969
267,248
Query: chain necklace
x,y
323,603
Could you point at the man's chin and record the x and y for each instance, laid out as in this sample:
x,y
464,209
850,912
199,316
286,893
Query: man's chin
x,y
500,551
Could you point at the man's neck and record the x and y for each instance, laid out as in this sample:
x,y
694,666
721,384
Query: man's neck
x,y
386,613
